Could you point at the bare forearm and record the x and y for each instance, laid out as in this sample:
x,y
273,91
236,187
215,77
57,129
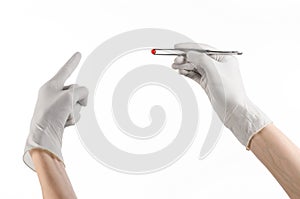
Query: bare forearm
x,y
280,156
52,175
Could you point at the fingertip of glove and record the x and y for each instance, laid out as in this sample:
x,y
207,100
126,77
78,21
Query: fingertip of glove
x,y
77,54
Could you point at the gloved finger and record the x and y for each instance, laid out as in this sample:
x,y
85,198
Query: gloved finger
x,y
72,121
74,115
202,61
179,59
186,66
183,72
62,75
75,111
80,95
191,74
188,73
199,46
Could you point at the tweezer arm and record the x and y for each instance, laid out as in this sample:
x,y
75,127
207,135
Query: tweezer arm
x,y
161,51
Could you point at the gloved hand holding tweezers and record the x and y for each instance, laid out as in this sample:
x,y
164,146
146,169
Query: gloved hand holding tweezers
x,y
219,76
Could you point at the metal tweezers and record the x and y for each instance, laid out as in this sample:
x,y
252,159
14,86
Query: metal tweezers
x,y
162,51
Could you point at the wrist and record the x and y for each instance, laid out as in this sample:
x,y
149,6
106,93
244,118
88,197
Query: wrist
x,y
41,155
41,140
38,152
245,121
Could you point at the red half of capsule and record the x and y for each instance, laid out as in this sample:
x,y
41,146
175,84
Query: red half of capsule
x,y
153,51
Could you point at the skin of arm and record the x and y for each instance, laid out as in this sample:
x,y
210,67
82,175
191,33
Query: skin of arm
x,y
280,156
52,175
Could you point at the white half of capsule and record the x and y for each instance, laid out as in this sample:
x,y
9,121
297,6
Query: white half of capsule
x,y
168,52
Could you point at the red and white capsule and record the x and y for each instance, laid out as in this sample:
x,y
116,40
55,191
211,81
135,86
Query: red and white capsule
x,y
158,51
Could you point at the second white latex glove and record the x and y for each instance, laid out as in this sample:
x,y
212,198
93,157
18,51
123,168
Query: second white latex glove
x,y
57,106
220,77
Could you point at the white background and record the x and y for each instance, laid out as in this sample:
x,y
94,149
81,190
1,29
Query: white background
x,y
37,37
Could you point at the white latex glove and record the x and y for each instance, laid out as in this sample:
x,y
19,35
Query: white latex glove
x,y
57,106
220,77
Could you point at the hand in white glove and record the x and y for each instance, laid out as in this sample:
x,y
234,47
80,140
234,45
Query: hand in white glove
x,y
57,106
220,77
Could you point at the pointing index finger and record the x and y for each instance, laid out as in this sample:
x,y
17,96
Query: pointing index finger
x,y
62,75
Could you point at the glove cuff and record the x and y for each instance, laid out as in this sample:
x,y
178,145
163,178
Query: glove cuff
x,y
246,121
41,139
